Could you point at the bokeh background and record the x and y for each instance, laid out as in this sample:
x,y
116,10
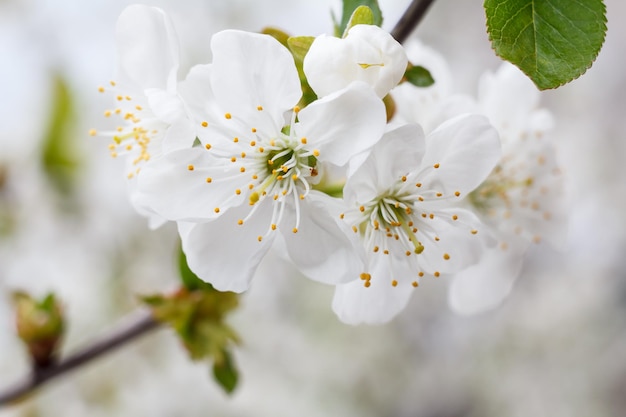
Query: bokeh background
x,y
555,347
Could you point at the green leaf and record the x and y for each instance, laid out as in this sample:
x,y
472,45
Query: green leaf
x,y
349,6
59,156
419,76
362,15
552,41
225,372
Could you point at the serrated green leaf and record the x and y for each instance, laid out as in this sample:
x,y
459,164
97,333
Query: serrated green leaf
x,y
551,41
225,372
362,15
419,76
59,156
349,6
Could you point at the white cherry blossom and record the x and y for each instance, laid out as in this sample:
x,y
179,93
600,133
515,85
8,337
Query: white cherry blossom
x,y
403,207
251,176
368,53
152,117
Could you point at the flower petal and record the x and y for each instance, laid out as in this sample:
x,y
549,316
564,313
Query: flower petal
x,y
176,186
483,286
252,70
380,302
147,48
368,54
464,151
224,253
343,124
324,248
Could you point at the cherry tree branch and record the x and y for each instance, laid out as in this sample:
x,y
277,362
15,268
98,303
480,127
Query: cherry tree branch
x,y
410,19
140,325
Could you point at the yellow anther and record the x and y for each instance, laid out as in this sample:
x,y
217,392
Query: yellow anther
x,y
243,154
118,111
237,191
252,143
439,194
254,197
260,238
190,167
367,284
301,196
474,231
457,193
261,149
242,169
233,159
259,108
207,146
446,256
361,209
436,166
354,229
204,124
253,130
270,162
407,253
209,180
239,222
316,153
273,227
112,83
420,274
420,198
275,197
228,116
418,185
235,139
119,98
394,283
294,177
376,249
432,216
255,176
386,252
342,215
415,284
296,109
295,230
364,276
216,209
101,89
303,141
128,98
92,132
107,113
403,178
436,238
436,274
455,217
138,107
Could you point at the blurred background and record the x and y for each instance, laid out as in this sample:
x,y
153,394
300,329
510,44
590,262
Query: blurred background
x,y
555,347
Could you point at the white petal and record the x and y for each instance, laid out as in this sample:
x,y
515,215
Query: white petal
x,y
179,135
168,186
380,302
324,248
343,124
147,48
252,70
224,253
395,155
367,54
466,149
483,286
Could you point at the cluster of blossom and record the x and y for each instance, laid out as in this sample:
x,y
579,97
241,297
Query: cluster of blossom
x,y
352,200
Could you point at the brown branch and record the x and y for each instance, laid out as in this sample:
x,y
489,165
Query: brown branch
x,y
118,337
410,19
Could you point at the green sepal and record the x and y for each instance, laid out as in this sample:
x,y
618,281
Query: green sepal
x,y
362,15
418,76
299,47
552,42
278,34
225,372
189,279
349,6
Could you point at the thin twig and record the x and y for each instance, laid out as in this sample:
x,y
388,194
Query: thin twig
x,y
115,339
410,19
